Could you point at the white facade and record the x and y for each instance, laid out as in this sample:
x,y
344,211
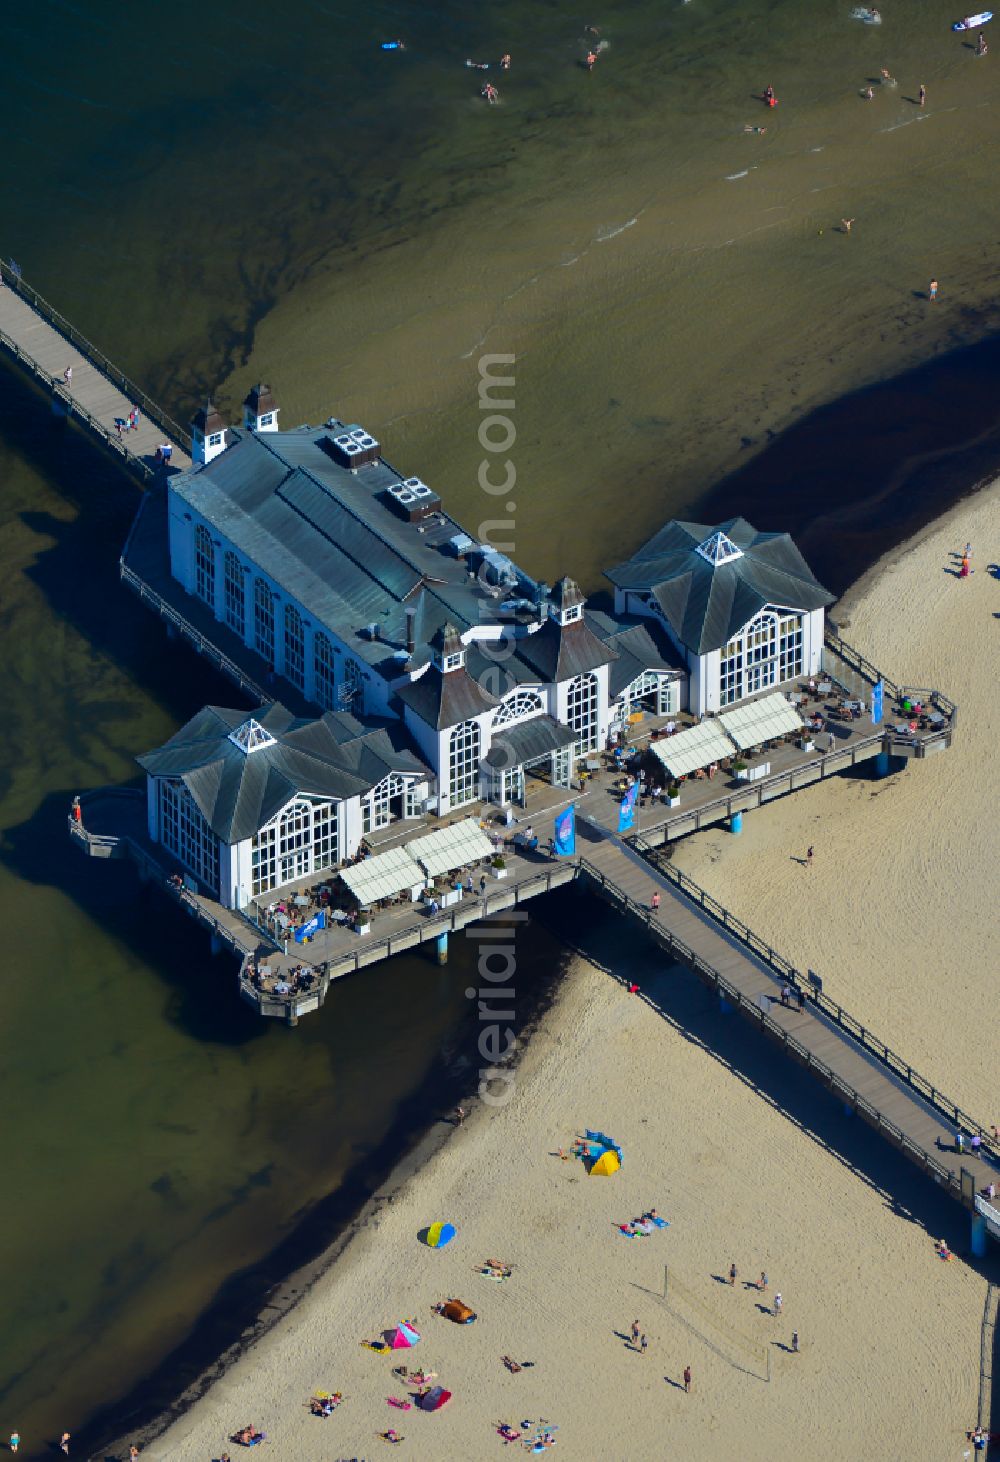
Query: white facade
x,y
779,645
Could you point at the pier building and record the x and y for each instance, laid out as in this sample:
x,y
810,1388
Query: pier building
x,y
741,607
247,804
332,580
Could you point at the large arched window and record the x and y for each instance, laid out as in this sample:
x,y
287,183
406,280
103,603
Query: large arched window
x,y
766,651
235,595
324,673
304,838
295,647
581,712
463,763
376,808
263,620
204,565
520,703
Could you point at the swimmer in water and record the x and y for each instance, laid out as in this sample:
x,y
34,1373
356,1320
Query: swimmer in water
x,y
757,131
491,94
505,63
887,77
847,224
591,60
868,94
981,46
874,16
591,30
478,65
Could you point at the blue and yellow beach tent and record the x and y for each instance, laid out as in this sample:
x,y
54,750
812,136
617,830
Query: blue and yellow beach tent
x,y
439,1234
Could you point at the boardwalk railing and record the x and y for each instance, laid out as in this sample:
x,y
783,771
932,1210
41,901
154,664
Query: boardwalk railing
x,y
862,666
842,1018
106,844
660,934
12,278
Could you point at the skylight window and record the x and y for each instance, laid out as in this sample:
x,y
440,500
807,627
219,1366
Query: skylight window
x,y
251,736
718,549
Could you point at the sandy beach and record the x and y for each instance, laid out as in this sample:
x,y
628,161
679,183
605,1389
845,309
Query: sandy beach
x,y
749,1160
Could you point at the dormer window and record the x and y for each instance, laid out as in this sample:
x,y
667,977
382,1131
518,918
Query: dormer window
x,y
268,419
454,662
569,615
215,440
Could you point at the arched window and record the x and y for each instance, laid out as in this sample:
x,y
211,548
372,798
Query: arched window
x,y
376,809
204,565
263,620
295,647
463,763
235,595
303,838
581,712
766,651
520,703
324,674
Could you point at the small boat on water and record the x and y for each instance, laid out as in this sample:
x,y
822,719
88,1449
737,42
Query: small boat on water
x,y
973,22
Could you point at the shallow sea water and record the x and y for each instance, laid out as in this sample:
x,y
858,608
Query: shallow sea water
x,y
217,195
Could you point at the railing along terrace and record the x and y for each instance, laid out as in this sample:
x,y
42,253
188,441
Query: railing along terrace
x,y
842,1018
13,278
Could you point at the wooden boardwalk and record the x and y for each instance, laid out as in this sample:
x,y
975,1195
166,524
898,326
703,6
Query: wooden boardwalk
x,y
98,395
866,1075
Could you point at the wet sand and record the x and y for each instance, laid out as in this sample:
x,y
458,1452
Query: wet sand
x,y
750,1160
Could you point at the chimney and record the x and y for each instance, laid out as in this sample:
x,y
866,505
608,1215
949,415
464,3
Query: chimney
x,y
411,628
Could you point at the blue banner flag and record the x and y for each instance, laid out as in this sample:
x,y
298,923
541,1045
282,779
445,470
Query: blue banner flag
x,y
626,813
564,843
878,695
310,927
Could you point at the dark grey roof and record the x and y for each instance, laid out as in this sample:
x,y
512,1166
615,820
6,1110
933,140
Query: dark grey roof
x,y
514,746
639,646
259,400
328,536
566,594
562,652
237,792
207,419
440,698
705,602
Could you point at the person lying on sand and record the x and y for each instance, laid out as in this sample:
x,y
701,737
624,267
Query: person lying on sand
x,y
247,1436
511,1365
392,1435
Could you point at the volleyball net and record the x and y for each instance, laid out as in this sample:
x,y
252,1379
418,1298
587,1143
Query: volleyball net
x,y
742,1352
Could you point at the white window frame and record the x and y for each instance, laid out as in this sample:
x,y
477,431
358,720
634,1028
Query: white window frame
x,y
583,711
519,704
301,840
464,753
375,809
204,565
294,647
263,619
215,439
324,672
185,833
234,597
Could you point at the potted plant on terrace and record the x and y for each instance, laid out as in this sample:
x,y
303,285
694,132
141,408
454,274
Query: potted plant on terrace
x,y
674,794
739,769
499,866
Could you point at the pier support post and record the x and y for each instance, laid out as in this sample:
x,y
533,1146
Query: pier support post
x,y
978,1240
848,1109
724,1005
442,948
736,823
881,768
215,944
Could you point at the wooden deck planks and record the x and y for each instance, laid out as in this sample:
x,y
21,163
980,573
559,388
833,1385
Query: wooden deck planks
x,y
51,353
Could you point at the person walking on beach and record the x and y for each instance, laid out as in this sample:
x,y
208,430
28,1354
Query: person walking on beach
x,y
687,1378
15,1441
809,857
922,94
636,1331
459,1116
777,1304
643,1343
981,46
795,1342
732,1274
64,1443
847,224
762,1281
133,1453
933,289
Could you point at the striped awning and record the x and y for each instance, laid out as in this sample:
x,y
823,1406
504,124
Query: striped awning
x,y
761,720
382,876
451,847
690,750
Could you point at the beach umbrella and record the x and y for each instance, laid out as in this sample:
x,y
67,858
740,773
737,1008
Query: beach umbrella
x,y
438,1235
606,1164
403,1337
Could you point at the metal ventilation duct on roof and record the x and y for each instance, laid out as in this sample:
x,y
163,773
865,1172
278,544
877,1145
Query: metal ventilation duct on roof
x,y
412,499
354,447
